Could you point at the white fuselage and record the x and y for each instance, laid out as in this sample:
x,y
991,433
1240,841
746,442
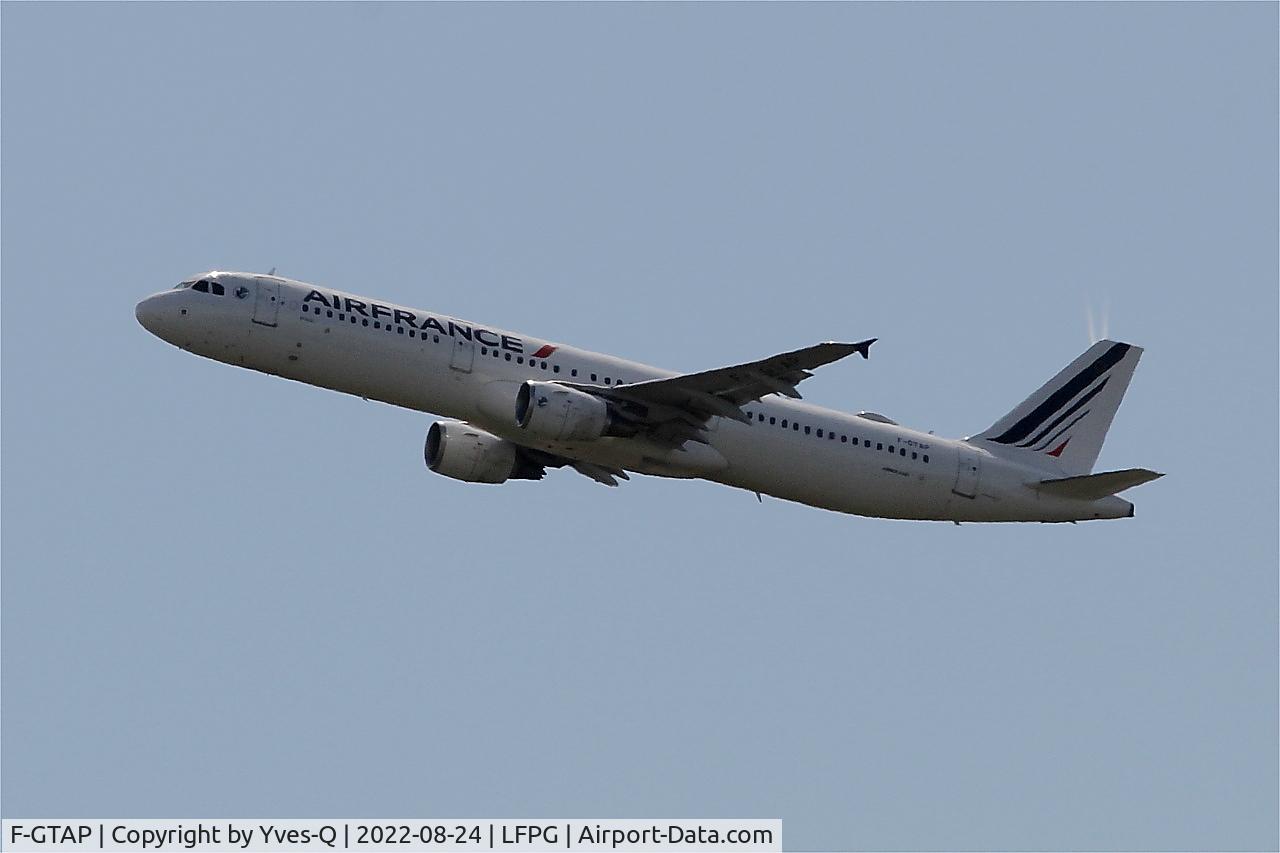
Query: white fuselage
x,y
472,372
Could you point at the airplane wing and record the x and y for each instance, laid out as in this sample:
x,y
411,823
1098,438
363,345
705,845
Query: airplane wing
x,y
676,409
538,461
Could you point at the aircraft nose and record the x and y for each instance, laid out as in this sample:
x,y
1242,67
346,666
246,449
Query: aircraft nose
x,y
148,314
158,313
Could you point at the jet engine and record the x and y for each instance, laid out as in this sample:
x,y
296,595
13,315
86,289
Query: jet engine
x,y
466,453
553,412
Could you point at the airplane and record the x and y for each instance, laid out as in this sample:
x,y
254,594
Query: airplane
x,y
512,406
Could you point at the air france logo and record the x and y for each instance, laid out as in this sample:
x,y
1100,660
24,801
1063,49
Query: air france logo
x,y
452,328
1053,419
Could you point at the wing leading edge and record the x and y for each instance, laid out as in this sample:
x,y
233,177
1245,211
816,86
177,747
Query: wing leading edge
x,y
676,409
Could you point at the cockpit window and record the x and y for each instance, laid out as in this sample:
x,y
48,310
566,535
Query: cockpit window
x,y
204,285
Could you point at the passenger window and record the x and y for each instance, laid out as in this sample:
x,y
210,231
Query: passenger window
x,y
555,368
795,427
879,445
484,350
366,322
806,430
508,356
819,432
784,423
926,457
399,330
519,359
844,439
902,451
377,325
573,372
772,421
593,377
866,443
413,333
435,339
329,313
218,289
761,418
201,285
606,380
341,317
913,454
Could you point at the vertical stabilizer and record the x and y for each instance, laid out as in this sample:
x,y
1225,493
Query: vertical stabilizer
x,y
1063,424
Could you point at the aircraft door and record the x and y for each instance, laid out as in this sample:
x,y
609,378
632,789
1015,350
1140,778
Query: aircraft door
x,y
968,473
464,354
266,304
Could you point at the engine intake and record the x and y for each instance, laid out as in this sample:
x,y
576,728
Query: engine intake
x,y
463,452
553,412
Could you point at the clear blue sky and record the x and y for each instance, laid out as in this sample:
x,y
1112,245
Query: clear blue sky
x,y
228,595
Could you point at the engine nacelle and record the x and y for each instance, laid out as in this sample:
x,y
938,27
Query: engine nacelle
x,y
466,453
553,412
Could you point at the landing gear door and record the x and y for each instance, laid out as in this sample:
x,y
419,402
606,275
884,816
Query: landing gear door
x,y
266,304
464,354
968,473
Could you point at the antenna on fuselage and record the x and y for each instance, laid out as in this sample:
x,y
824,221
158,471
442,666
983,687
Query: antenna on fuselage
x,y
273,271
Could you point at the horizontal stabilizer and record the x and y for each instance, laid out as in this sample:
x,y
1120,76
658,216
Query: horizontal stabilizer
x,y
1095,486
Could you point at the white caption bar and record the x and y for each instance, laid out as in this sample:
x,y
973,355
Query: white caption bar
x,y
208,835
